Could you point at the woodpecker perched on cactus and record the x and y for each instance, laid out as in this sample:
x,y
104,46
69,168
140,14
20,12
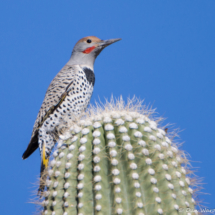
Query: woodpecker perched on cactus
x,y
68,95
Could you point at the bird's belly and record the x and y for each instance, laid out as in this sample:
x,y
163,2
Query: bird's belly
x,y
75,103
78,98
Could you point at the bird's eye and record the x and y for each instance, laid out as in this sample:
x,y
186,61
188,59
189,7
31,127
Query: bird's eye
x,y
89,41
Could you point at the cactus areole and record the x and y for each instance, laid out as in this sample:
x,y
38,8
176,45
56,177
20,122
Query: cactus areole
x,y
117,162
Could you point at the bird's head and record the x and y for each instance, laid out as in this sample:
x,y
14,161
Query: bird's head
x,y
87,49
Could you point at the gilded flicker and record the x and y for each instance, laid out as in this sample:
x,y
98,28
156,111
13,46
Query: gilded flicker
x,y
68,95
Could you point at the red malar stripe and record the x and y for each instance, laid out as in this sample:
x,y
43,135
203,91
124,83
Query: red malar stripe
x,y
88,50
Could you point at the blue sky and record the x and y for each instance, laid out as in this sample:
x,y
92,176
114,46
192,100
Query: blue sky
x,y
166,56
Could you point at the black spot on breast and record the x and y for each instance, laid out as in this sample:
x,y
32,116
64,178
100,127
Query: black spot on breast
x,y
89,75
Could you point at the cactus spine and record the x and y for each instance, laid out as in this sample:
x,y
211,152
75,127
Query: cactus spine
x,y
117,162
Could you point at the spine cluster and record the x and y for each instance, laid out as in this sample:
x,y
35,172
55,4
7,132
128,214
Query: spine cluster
x,y
117,163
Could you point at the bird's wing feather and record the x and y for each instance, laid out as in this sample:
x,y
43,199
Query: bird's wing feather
x,y
55,94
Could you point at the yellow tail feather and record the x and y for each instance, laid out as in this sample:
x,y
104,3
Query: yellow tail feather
x,y
44,159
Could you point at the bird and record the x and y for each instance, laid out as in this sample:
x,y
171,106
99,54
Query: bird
x,y
67,96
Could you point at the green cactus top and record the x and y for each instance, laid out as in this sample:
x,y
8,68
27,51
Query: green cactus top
x,y
117,162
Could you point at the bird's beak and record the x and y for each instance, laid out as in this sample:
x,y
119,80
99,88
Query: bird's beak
x,y
105,43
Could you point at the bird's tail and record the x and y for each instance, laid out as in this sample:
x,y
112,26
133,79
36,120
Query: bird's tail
x,y
32,146
43,172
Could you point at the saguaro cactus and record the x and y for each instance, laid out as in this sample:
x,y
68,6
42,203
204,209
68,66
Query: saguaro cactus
x,y
117,162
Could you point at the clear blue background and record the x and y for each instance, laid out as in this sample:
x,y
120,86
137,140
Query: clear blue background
x,y
166,56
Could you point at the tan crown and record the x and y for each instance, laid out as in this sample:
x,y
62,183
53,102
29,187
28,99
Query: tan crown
x,y
93,38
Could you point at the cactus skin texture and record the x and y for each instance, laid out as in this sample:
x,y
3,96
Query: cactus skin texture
x,y
117,163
